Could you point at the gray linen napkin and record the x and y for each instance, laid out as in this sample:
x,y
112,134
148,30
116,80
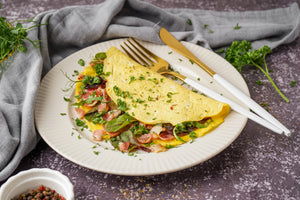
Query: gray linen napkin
x,y
73,28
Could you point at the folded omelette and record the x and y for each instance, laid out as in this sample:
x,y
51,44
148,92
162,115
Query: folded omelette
x,y
150,111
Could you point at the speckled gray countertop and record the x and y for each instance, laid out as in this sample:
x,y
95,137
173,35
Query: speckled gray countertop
x,y
259,164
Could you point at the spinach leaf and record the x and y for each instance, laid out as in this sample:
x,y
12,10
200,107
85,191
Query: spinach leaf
x,y
118,123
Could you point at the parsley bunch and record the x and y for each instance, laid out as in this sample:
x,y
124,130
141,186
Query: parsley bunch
x,y
240,54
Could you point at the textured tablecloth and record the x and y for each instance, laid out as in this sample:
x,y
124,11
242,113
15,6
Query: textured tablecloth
x,y
258,165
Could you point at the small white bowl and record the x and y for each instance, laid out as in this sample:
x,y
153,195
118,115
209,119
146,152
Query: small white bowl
x,y
27,180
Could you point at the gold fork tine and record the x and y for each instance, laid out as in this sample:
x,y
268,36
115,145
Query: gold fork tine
x,y
142,61
142,53
144,49
128,54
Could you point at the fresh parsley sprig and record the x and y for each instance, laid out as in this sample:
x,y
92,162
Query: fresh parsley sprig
x,y
241,53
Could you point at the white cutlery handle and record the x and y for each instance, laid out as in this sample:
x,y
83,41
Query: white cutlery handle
x,y
251,103
233,105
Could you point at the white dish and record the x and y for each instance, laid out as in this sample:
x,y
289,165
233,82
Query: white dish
x,y
75,145
31,179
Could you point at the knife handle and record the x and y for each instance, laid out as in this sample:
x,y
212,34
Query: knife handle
x,y
251,103
236,107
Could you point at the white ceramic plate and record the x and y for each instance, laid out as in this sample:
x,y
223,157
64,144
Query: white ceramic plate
x,y
60,132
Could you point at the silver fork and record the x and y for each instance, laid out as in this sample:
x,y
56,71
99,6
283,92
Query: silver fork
x,y
159,65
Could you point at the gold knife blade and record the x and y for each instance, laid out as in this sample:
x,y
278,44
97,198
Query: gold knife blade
x,y
172,42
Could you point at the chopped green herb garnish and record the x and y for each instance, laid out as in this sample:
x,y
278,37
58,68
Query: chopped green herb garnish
x,y
100,56
170,52
76,73
189,21
150,98
205,25
138,129
81,62
169,94
264,104
122,105
191,62
142,77
170,146
198,79
132,78
96,152
192,135
79,122
293,83
139,101
237,26
258,82
63,114
154,80
66,99
211,31
120,93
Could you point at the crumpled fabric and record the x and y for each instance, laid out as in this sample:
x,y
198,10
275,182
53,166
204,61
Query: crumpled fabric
x,y
73,28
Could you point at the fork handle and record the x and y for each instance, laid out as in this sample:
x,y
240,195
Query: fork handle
x,y
236,107
250,103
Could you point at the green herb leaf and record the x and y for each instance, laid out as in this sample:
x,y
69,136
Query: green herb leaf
x,y
258,82
122,105
240,54
66,99
81,62
118,123
192,135
138,129
237,26
293,83
95,117
100,56
12,37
